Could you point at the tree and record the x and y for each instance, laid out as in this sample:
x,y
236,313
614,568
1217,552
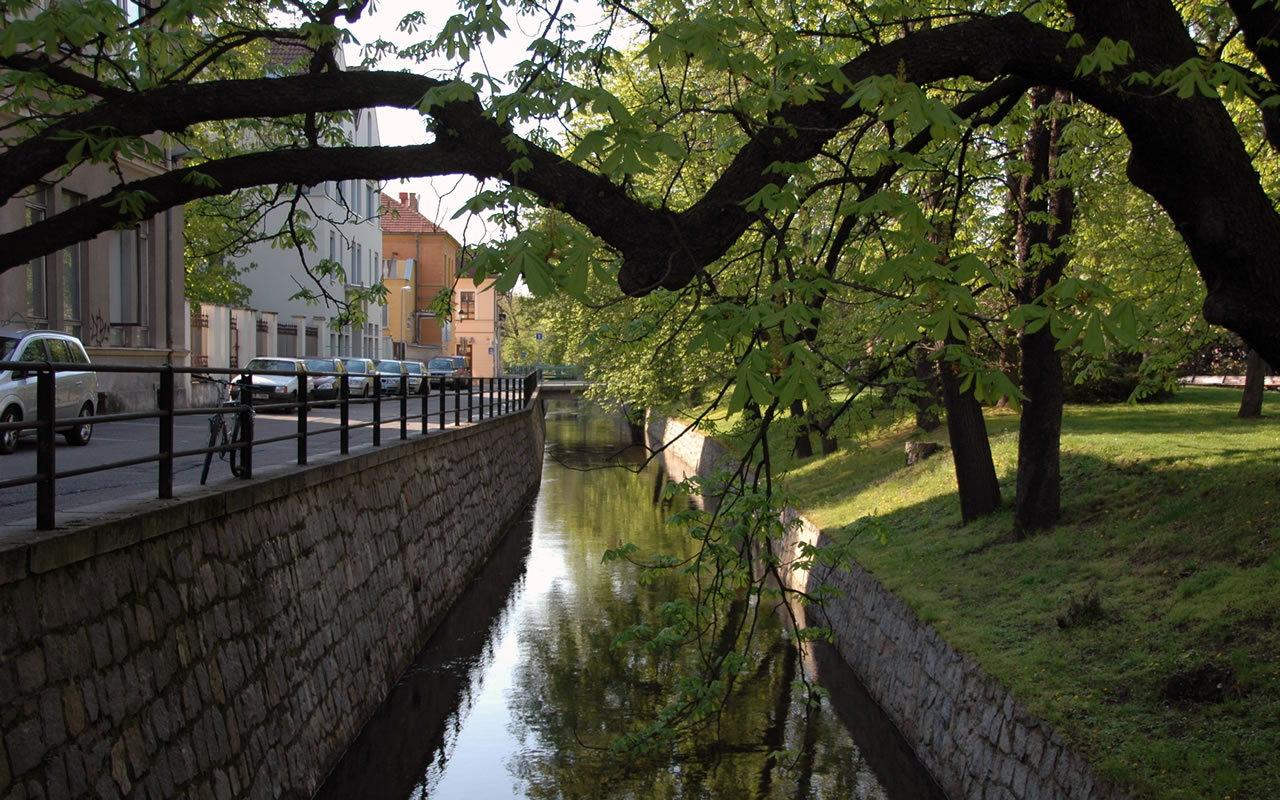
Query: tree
x,y
1044,206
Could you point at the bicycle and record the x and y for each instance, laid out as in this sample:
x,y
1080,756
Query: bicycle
x,y
226,445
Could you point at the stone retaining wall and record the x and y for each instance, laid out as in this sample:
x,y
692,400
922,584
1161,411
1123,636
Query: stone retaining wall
x,y
231,645
972,735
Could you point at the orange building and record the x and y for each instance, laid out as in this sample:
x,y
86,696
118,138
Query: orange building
x,y
421,262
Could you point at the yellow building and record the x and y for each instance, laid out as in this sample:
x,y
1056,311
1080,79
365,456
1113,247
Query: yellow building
x,y
477,325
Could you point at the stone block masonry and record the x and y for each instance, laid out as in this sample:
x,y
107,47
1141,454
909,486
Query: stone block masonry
x,y
233,644
969,732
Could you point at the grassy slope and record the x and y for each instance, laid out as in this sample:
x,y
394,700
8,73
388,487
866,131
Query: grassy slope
x,y
1146,626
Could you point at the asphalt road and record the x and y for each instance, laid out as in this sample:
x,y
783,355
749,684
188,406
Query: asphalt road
x,y
139,483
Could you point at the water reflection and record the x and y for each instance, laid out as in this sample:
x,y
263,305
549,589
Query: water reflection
x,y
520,694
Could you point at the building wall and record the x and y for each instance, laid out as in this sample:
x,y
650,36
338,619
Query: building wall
x,y
435,257
233,644
129,304
478,334
969,732
347,227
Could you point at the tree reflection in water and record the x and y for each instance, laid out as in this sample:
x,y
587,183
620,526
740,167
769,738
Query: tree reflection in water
x,y
547,694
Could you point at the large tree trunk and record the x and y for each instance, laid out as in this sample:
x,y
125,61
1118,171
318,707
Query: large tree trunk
x,y
1255,383
1042,222
1037,501
970,449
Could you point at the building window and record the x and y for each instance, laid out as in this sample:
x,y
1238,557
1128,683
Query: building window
x,y
38,267
129,275
73,259
357,267
466,305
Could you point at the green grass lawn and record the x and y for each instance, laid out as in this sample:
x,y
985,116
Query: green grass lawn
x,y
1146,626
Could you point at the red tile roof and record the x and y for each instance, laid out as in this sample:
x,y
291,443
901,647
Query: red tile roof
x,y
402,216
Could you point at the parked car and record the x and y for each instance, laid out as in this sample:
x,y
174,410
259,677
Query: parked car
x,y
417,374
75,390
275,388
362,376
443,370
389,372
327,384
464,371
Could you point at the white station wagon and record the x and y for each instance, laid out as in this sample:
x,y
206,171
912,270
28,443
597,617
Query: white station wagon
x,y
76,390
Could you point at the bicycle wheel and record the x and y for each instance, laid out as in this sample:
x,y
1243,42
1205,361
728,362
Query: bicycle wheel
x,y
216,424
236,469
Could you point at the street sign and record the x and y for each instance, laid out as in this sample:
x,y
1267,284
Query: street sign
x,y
522,355
538,336
490,351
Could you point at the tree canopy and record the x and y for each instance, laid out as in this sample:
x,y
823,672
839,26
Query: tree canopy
x,y
1190,86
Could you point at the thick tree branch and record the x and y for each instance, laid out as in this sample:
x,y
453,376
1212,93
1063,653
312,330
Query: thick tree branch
x,y
175,108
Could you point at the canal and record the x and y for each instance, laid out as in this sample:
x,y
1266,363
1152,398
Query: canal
x,y
519,693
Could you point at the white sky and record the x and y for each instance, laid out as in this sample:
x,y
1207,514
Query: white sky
x,y
440,198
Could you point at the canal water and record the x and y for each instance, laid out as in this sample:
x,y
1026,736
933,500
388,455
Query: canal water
x,y
519,693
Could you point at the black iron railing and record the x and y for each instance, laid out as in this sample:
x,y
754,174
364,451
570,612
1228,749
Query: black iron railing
x,y
486,398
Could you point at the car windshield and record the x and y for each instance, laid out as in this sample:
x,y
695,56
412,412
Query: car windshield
x,y
355,366
388,366
439,363
413,367
277,364
7,344
323,365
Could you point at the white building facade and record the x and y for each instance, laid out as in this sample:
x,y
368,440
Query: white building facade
x,y
346,222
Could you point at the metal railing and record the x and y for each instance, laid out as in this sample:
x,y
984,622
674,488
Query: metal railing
x,y
486,398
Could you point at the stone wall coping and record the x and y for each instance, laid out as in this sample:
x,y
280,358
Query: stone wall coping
x,y
93,530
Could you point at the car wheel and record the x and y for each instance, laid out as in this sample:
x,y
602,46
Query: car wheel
x,y
83,431
8,439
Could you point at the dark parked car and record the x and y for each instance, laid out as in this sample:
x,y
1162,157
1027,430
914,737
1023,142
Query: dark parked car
x,y
442,370
464,371
327,385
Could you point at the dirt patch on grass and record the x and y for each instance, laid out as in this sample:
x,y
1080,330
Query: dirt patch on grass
x,y
1206,683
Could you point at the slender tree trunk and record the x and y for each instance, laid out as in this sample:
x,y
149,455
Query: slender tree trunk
x,y
1255,380
1043,220
976,481
828,439
804,447
927,418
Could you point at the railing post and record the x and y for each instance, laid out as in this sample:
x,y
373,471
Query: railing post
x,y
45,466
426,407
377,415
457,406
404,406
302,417
166,432
442,393
246,429
470,386
344,432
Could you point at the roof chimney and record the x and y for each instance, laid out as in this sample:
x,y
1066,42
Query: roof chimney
x,y
413,201
404,198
